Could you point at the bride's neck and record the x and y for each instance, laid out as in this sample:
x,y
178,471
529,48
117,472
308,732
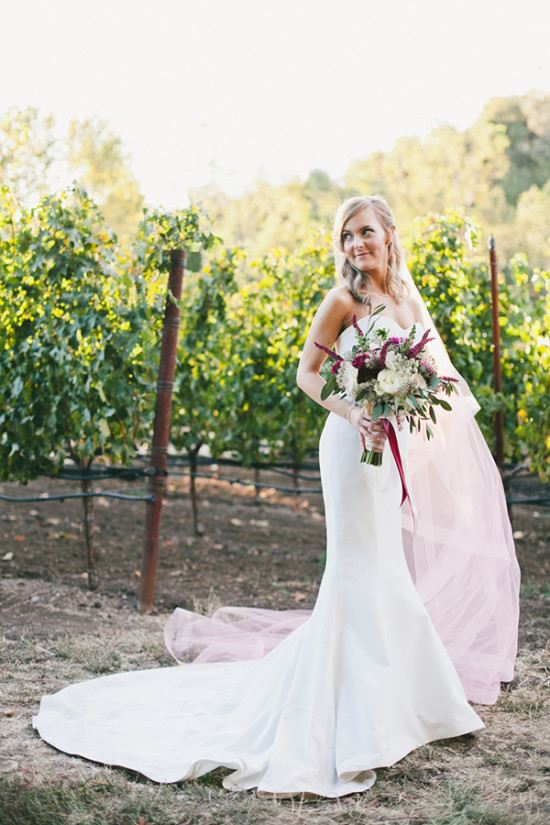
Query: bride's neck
x,y
379,291
379,286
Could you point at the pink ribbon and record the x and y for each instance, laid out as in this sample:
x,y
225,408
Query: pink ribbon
x,y
394,445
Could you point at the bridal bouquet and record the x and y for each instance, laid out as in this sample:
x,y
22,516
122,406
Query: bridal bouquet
x,y
389,376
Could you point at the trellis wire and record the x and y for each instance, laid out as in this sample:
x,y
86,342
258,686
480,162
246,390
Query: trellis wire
x,y
150,496
135,473
257,484
45,497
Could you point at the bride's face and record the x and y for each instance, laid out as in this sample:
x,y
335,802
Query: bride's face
x,y
365,242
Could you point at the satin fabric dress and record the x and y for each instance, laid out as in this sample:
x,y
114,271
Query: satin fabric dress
x,y
358,684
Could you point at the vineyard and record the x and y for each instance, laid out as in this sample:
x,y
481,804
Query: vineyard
x,y
81,315
81,320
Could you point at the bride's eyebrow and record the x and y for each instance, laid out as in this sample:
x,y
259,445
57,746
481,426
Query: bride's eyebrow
x,y
350,231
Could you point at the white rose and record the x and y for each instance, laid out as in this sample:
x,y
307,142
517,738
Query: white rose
x,y
390,382
346,378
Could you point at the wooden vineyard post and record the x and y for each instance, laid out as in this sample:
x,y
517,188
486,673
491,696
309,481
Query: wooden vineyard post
x,y
161,433
499,417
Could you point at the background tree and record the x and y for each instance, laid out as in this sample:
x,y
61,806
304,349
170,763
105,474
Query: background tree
x,y
35,159
28,149
448,169
497,170
96,158
489,170
526,121
530,233
272,217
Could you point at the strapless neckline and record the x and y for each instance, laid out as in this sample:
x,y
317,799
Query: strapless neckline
x,y
387,319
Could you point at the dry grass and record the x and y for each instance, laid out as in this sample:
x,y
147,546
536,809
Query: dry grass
x,y
209,605
498,777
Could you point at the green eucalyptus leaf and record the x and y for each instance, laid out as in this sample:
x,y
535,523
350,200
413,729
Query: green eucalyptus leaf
x,y
377,411
328,388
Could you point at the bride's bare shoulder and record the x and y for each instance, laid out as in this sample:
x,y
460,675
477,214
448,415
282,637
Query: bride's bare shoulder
x,y
337,311
339,299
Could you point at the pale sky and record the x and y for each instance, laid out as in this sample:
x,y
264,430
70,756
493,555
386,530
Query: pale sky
x,y
233,89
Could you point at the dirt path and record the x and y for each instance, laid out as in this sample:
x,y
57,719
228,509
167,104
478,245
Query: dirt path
x,y
266,552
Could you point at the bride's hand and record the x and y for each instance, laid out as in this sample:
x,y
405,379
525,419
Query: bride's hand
x,y
371,433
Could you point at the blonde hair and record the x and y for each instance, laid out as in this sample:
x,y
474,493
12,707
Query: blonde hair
x,y
359,283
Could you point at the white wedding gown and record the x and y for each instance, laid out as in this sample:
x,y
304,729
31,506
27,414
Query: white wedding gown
x,y
361,683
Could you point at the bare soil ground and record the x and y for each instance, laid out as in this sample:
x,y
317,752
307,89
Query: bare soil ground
x,y
266,551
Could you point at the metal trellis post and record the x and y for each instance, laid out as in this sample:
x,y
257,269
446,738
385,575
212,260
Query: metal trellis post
x,y
161,432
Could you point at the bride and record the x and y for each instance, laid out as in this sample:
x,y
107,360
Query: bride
x,y
410,622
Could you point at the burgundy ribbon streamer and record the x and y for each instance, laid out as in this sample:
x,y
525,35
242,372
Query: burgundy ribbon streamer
x,y
394,445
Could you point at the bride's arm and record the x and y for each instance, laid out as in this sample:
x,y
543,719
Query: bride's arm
x,y
329,319
334,313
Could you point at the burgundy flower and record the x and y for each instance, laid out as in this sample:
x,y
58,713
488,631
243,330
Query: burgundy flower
x,y
337,358
417,349
356,326
385,347
367,366
360,359
329,352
